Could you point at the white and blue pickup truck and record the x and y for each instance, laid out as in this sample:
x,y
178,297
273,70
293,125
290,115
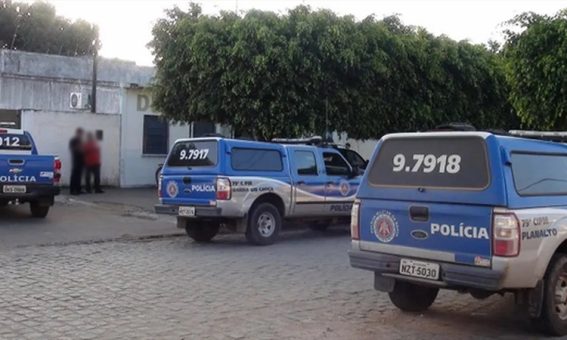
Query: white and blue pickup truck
x,y
252,186
26,176
475,212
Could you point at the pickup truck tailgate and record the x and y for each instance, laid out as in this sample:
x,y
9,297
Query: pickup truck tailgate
x,y
26,169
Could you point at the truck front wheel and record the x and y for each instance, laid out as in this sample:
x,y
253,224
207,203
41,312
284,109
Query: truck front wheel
x,y
264,224
553,318
412,298
38,210
202,233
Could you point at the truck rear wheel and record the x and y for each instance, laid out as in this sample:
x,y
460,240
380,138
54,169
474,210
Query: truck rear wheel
x,y
202,233
38,210
412,298
553,318
264,224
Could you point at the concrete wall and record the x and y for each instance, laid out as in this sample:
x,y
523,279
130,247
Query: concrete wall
x,y
34,81
52,131
54,95
40,65
138,169
364,147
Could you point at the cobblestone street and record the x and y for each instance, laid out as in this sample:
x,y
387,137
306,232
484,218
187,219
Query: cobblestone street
x,y
172,288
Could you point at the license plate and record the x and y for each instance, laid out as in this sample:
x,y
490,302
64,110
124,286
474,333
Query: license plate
x,y
187,211
14,189
423,270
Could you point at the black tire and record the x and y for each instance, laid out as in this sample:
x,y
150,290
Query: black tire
x,y
202,233
38,210
413,298
551,320
264,224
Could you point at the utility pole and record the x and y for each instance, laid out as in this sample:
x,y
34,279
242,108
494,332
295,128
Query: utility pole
x,y
93,91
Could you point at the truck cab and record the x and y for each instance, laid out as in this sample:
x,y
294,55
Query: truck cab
x,y
470,211
252,187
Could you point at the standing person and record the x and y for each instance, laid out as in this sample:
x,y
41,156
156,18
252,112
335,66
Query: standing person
x,y
77,161
92,163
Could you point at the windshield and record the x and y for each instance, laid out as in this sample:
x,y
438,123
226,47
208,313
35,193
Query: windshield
x,y
436,162
15,142
193,154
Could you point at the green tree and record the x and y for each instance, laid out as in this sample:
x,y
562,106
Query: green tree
x,y
536,64
306,71
36,27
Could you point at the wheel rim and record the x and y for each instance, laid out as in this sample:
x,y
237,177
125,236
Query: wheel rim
x,y
561,296
266,224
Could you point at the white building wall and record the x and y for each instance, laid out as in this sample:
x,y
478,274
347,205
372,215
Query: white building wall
x,y
138,169
364,147
52,131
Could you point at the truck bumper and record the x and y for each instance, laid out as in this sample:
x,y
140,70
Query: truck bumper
x,y
452,275
200,212
33,193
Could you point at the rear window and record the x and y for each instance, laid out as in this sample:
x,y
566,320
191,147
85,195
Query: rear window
x,y
14,142
434,162
539,174
256,160
194,154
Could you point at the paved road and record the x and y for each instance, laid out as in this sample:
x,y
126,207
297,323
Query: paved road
x,y
88,218
90,271
300,288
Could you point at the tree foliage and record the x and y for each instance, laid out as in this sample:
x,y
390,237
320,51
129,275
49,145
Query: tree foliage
x,y
536,65
305,71
35,27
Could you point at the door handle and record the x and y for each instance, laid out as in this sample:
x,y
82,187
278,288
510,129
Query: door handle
x,y
300,182
420,214
330,182
186,180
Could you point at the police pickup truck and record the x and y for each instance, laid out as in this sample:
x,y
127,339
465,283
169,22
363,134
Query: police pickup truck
x,y
470,211
25,176
252,187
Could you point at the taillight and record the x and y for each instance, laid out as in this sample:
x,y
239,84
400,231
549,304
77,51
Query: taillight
x,y
506,234
354,221
57,170
160,180
223,189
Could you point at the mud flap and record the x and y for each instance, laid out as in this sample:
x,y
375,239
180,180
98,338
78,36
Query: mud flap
x,y
535,300
181,222
384,284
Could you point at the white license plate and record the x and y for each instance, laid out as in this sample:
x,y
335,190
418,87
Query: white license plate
x,y
14,189
423,270
187,211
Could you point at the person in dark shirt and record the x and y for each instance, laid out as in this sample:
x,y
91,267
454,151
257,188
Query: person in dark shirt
x,y
77,161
